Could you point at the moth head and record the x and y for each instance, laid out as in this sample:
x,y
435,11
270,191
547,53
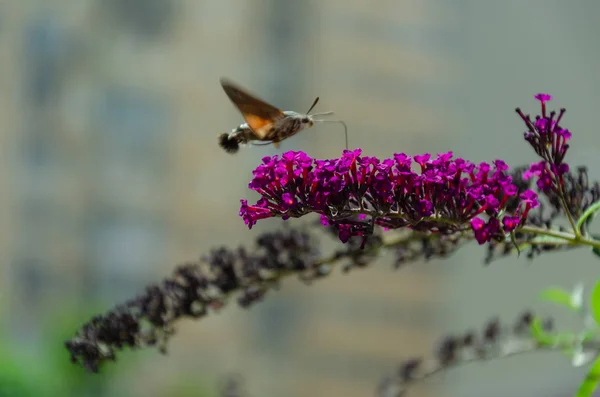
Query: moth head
x,y
307,120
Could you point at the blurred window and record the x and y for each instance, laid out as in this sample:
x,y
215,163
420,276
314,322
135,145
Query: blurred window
x,y
46,46
145,18
132,135
124,251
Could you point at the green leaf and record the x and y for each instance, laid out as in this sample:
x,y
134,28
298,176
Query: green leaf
x,y
595,301
596,251
591,380
560,296
589,213
539,334
513,239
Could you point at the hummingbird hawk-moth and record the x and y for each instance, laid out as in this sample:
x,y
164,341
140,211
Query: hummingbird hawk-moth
x,y
265,124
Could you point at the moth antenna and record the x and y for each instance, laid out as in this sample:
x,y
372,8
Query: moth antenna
x,y
313,105
337,121
323,114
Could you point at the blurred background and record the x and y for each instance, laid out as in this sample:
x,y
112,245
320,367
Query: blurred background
x,y
111,175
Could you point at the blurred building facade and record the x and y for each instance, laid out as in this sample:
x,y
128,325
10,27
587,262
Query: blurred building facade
x,y
113,174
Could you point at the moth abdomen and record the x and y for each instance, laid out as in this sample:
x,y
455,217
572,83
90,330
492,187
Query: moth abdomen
x,y
229,143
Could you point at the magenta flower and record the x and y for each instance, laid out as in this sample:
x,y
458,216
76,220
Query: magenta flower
x,y
250,214
543,98
550,142
355,193
510,223
483,231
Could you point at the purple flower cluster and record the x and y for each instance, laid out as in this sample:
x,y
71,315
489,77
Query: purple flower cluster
x,y
355,193
550,142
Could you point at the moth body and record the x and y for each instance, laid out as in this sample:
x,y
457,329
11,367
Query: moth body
x,y
290,124
241,135
265,124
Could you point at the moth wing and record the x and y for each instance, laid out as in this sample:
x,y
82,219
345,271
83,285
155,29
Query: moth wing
x,y
259,115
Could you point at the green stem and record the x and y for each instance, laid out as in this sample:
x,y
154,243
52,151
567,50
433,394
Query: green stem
x,y
433,367
569,216
589,212
561,196
398,215
569,238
